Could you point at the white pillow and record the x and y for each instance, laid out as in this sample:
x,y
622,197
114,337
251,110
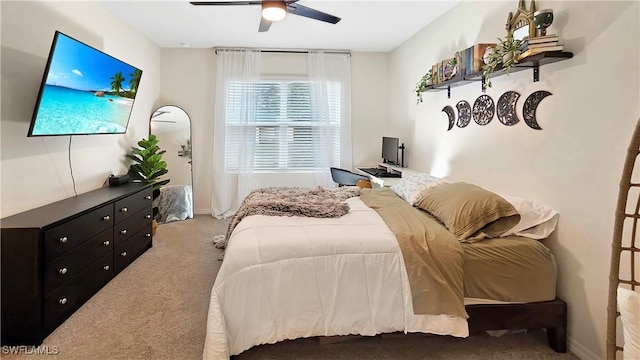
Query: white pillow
x,y
629,306
415,186
536,220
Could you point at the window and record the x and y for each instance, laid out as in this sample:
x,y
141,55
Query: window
x,y
288,133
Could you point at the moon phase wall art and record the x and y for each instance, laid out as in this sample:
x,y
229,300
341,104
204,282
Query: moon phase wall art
x,y
484,109
530,106
506,109
464,113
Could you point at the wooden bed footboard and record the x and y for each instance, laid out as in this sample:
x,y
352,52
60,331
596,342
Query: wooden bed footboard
x,y
551,315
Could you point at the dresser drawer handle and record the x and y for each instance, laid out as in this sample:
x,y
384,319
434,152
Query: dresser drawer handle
x,y
63,271
123,232
123,254
106,218
106,243
105,268
63,240
62,301
124,209
147,235
148,216
148,197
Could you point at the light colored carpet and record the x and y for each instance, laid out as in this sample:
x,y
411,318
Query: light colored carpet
x,y
156,309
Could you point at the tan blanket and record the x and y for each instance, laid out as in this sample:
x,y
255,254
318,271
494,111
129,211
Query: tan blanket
x,y
433,257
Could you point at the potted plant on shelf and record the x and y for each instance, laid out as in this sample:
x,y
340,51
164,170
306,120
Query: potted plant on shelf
x,y
147,167
422,85
504,54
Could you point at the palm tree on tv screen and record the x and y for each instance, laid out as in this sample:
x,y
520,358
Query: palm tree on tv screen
x,y
116,82
135,80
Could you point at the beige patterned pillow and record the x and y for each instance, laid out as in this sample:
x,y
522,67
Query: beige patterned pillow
x,y
413,186
470,212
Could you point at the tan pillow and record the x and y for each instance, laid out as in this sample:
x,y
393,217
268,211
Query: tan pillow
x,y
470,212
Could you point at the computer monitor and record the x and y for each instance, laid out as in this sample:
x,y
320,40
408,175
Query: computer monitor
x,y
390,147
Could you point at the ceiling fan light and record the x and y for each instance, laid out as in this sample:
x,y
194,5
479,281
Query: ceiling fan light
x,y
273,10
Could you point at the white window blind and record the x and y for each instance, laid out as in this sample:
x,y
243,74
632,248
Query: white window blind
x,y
288,133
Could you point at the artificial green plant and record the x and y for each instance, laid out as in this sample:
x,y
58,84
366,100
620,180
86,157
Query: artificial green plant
x,y
148,166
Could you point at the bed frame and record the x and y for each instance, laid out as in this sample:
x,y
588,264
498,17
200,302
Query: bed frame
x,y
550,315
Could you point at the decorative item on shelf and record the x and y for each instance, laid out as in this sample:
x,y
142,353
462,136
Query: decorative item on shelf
x,y
505,55
449,69
148,166
422,85
521,24
542,19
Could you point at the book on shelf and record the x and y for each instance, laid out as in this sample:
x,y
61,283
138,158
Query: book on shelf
x,y
542,39
539,50
468,60
525,45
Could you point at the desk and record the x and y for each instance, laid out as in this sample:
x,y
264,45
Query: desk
x,y
386,181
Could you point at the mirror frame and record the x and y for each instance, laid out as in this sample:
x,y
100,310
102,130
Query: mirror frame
x,y
522,18
190,141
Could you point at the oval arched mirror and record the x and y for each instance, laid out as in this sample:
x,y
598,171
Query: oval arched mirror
x,y
172,126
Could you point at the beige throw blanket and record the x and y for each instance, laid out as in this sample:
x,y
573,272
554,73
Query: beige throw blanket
x,y
432,255
292,201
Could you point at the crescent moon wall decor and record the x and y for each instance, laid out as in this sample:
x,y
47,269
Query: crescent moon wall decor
x,y
506,108
530,106
483,109
451,115
464,113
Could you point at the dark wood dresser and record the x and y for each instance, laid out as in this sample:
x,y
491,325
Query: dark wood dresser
x,y
55,257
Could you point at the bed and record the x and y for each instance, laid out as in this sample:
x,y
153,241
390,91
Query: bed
x,y
386,265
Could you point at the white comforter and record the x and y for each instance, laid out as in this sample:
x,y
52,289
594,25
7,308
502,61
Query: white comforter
x,y
292,277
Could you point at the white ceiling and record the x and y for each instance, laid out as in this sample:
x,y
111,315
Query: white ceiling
x,y
366,25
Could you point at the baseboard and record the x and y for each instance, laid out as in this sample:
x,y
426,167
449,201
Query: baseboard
x,y
202,211
581,351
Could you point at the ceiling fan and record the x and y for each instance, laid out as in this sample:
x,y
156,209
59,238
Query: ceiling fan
x,y
277,10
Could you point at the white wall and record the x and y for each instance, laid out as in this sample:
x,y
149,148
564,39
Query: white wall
x,y
188,81
35,171
188,78
573,165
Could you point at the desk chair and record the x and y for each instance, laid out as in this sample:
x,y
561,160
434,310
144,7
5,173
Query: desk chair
x,y
347,178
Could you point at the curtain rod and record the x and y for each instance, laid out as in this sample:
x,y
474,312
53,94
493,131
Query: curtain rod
x,y
289,51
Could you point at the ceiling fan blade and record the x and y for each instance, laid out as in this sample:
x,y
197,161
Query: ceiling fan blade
x,y
264,25
225,2
302,10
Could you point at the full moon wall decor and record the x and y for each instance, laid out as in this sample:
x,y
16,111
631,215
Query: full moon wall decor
x,y
484,109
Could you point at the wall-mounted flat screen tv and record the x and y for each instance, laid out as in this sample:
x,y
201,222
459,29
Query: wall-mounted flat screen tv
x,y
83,91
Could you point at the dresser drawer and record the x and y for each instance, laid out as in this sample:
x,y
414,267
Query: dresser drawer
x,y
62,238
125,253
65,300
75,261
130,205
125,229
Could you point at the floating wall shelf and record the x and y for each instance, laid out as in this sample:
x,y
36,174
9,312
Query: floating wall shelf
x,y
530,62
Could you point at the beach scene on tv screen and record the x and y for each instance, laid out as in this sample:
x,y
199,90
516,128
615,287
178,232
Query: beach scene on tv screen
x,y
85,92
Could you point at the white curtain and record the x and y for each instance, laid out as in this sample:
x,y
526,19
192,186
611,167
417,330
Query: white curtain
x,y
242,68
324,69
